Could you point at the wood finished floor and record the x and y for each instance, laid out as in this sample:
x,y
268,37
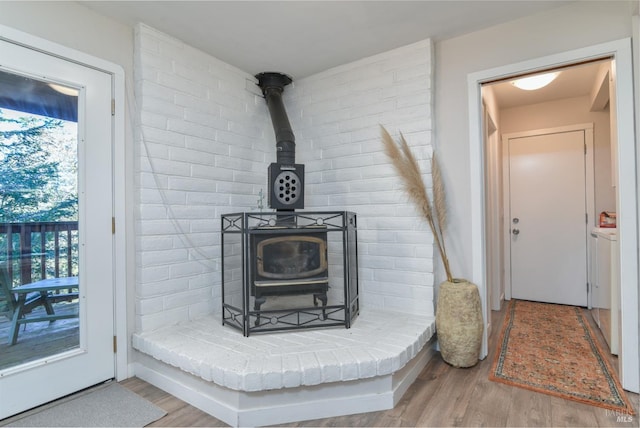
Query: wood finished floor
x,y
441,396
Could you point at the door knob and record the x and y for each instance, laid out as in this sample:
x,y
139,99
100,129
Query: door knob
x,y
516,231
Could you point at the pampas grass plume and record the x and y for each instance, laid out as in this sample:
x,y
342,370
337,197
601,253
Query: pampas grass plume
x,y
408,169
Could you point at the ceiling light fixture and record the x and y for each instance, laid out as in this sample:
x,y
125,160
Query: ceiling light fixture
x,y
532,83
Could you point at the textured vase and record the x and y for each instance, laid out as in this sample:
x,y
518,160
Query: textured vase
x,y
459,322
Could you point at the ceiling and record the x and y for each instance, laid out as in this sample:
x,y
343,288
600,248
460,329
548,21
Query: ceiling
x,y
301,38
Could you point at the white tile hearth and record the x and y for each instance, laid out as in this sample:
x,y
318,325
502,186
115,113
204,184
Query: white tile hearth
x,y
325,364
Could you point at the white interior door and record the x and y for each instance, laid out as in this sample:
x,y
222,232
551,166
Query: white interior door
x,y
91,359
548,226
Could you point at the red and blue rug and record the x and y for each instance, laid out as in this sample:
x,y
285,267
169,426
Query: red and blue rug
x,y
551,349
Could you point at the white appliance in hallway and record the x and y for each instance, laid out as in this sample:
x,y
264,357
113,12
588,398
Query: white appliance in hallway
x,y
605,287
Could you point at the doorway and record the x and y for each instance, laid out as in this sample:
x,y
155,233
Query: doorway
x,y
74,268
626,195
547,201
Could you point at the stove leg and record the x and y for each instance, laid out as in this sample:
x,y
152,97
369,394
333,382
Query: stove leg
x,y
323,298
259,300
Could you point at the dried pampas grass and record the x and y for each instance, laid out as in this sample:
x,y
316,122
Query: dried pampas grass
x,y
408,169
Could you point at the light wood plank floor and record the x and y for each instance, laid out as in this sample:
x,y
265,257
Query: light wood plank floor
x,y
441,396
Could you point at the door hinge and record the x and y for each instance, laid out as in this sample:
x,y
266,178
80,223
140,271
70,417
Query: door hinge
x,y
587,288
113,225
115,344
585,148
113,107
586,218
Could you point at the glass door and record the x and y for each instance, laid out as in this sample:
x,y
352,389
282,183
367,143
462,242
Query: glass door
x,y
56,268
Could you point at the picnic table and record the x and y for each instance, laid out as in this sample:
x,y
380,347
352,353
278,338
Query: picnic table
x,y
46,288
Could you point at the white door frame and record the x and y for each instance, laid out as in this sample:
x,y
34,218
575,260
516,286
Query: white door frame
x,y
627,198
589,188
118,146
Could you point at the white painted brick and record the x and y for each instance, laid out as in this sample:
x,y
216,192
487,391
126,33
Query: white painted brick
x,y
188,184
168,138
152,212
205,279
158,258
166,317
153,274
154,227
196,104
186,269
311,372
330,366
189,128
152,120
186,298
152,196
211,120
235,140
206,145
228,100
392,88
162,107
149,306
180,84
149,180
151,243
166,167
191,156
197,72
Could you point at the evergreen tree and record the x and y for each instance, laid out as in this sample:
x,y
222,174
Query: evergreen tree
x,y
35,185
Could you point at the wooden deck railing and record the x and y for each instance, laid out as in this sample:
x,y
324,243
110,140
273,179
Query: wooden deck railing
x,y
39,250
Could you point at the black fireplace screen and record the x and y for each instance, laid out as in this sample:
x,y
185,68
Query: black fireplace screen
x,y
289,271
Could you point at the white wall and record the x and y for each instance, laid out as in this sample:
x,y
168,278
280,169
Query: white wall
x,y
570,27
72,25
209,140
570,111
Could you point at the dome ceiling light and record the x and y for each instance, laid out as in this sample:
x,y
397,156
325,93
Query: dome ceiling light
x,y
532,83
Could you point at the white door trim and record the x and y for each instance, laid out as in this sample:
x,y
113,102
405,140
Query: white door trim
x,y
620,50
589,184
27,40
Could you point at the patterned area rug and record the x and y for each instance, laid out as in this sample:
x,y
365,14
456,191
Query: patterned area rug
x,y
551,349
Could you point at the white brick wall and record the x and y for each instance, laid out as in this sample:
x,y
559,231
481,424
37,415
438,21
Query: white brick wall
x,y
205,147
336,116
208,141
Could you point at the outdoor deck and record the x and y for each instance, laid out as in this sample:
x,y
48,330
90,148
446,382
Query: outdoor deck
x,y
41,339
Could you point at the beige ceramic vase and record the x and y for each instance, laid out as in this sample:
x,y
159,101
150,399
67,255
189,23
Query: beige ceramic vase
x,y
459,322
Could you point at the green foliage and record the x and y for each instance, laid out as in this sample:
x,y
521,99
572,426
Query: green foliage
x,y
37,171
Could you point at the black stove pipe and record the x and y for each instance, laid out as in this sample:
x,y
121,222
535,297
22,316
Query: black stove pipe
x,y
272,85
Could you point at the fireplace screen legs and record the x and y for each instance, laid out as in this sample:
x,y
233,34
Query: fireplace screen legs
x,y
289,271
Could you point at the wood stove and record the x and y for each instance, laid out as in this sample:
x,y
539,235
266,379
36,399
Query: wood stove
x,y
267,258
284,272
291,264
